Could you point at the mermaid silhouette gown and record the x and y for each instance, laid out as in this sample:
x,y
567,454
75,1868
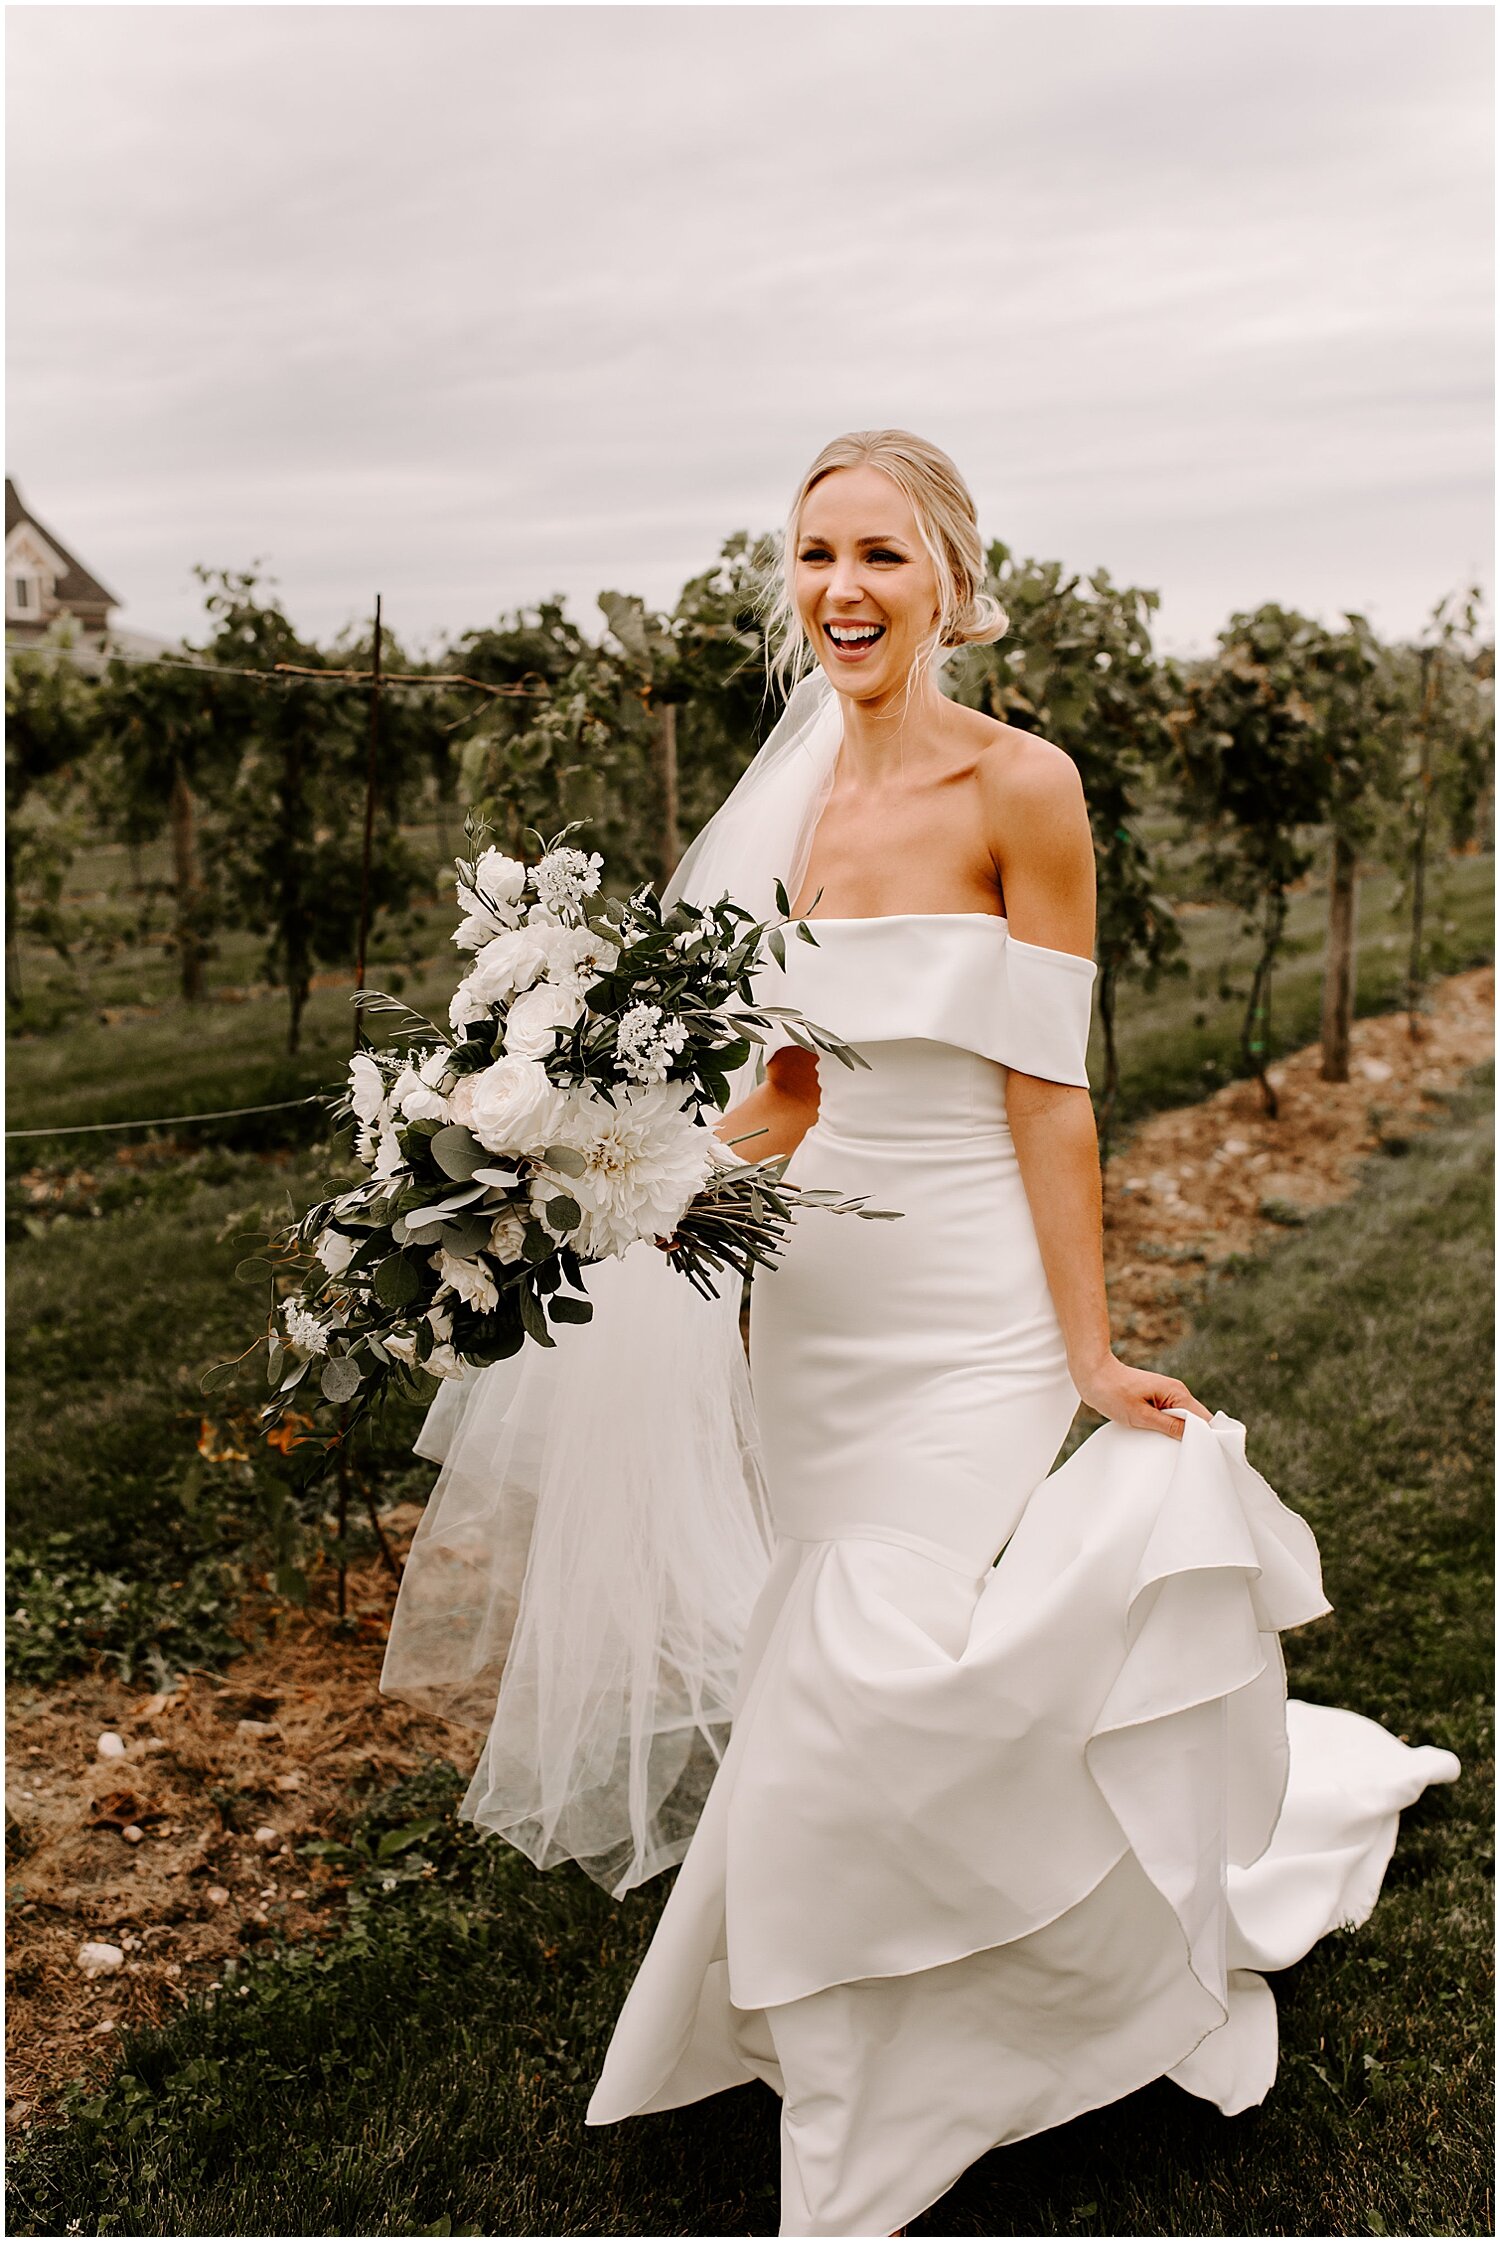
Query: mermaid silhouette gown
x,y
992,1843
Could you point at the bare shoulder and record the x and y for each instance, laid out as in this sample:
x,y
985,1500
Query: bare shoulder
x,y
1036,826
1023,776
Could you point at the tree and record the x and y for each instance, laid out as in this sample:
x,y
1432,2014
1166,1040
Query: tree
x,y
50,725
287,839
1255,776
1078,667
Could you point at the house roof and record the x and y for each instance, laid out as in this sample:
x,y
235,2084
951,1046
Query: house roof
x,y
76,584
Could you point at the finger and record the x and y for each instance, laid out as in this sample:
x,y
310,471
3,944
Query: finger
x,y
1147,1419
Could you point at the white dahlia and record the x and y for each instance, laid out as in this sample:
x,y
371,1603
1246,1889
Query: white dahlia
x,y
644,1159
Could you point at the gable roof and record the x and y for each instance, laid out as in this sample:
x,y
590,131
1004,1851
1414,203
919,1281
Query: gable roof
x,y
76,584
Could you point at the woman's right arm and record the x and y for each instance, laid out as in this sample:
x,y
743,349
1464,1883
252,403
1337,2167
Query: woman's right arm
x,y
778,1114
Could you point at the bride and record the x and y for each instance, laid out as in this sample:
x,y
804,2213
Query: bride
x,y
990,1803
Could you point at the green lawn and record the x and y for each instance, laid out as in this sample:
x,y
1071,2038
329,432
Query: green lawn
x,y
426,2071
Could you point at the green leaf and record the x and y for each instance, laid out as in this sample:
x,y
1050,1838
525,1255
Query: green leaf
x,y
533,1319
567,1310
783,905
776,944
564,1213
396,1840
458,1152
218,1377
805,933
340,1380
397,1282
565,1159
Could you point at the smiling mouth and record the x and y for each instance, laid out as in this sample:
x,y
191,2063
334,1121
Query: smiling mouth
x,y
854,638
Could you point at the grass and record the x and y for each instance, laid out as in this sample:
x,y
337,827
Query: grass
x,y
426,2070
1177,1042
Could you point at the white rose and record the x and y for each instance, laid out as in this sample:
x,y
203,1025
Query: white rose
x,y
443,1363
507,1235
469,1279
415,1101
490,905
400,1344
366,1088
335,1251
510,1106
510,963
644,1157
534,1018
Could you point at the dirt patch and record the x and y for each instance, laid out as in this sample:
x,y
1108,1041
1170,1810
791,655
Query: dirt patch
x,y
183,1850
1201,1184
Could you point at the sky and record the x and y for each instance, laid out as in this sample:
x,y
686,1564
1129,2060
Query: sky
x,y
476,305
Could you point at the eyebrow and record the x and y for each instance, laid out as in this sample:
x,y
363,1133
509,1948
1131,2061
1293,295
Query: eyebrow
x,y
811,537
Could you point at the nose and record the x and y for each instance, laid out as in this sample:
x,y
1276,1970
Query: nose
x,y
846,586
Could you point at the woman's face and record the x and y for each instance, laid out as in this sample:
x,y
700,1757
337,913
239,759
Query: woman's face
x,y
863,582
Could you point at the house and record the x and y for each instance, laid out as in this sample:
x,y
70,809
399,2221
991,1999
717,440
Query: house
x,y
43,580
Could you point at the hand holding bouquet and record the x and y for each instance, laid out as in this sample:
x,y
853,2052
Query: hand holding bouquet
x,y
564,1117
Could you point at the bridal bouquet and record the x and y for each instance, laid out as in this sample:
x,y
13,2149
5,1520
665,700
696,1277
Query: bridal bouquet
x,y
562,1117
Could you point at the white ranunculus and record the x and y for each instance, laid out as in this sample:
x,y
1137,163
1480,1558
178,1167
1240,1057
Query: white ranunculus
x,y
401,1344
366,1088
415,1101
644,1158
335,1251
469,1279
443,1363
510,1106
534,1018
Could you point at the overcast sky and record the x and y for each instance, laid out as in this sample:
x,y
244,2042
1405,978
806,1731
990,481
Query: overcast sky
x,y
470,305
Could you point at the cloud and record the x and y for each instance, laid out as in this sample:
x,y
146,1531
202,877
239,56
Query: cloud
x,y
476,304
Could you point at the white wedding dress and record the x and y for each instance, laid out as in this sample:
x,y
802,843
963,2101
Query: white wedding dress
x,y
992,1843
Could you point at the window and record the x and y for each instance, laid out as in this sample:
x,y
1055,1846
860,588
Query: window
x,y
20,592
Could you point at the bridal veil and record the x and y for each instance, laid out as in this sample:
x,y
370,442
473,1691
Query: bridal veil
x,y
581,1578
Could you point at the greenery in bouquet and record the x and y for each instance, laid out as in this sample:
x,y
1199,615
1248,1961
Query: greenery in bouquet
x,y
565,1114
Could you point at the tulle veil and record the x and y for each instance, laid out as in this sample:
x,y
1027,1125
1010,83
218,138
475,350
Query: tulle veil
x,y
580,1581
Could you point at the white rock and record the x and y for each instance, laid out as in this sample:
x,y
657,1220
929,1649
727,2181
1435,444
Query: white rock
x,y
110,1746
291,1782
97,1958
217,1896
1375,1070
132,1833
256,1728
1234,1148
265,1835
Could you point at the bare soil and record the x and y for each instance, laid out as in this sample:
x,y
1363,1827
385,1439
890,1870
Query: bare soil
x,y
184,1852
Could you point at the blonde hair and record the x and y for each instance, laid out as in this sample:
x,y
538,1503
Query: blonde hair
x,y
946,523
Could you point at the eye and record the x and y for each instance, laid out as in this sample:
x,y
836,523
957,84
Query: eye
x,y
881,553
814,553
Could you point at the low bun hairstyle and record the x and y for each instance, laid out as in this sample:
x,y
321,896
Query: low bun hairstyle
x,y
946,523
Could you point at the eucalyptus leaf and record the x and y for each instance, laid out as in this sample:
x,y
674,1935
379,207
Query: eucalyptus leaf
x,y
397,1282
535,1245
565,1158
564,1213
424,1218
458,1152
340,1380
567,1310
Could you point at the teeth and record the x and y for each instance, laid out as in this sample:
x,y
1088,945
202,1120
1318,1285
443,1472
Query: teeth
x,y
854,634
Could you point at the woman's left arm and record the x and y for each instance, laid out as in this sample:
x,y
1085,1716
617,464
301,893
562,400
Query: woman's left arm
x,y
1043,852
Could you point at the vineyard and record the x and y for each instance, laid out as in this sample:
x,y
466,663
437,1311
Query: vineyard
x,y
207,853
